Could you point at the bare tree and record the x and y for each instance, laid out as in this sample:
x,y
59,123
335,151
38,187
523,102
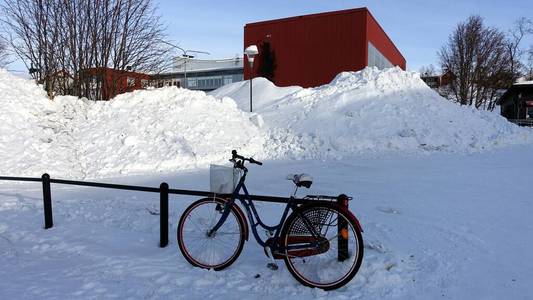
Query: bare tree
x,y
479,60
3,52
428,70
529,65
37,34
516,35
69,37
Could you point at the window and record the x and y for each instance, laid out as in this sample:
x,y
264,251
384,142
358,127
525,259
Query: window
x,y
227,80
131,81
376,59
210,82
93,82
238,77
144,83
529,112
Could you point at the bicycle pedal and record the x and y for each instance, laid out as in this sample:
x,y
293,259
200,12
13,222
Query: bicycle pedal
x,y
272,266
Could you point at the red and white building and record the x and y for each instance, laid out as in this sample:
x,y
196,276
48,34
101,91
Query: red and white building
x,y
311,50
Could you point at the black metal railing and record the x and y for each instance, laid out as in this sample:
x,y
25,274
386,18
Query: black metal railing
x,y
164,191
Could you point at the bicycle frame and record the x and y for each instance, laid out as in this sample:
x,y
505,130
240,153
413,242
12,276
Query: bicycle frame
x,y
255,219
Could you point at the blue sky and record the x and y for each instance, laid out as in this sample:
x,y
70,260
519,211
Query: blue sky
x,y
419,28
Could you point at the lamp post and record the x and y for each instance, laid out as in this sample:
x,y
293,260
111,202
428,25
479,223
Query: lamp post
x,y
186,56
251,51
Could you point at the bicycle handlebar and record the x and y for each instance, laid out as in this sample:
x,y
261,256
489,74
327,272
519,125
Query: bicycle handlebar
x,y
251,159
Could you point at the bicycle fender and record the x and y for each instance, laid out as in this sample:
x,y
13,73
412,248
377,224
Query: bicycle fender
x,y
356,221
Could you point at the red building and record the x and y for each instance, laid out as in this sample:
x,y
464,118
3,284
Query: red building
x,y
311,50
437,81
105,83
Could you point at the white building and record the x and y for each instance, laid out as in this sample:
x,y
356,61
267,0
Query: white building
x,y
201,74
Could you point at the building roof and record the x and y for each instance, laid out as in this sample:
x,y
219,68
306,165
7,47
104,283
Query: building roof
x,y
524,85
323,14
202,65
101,70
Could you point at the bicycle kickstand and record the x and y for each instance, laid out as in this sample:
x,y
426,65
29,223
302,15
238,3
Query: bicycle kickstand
x,y
271,265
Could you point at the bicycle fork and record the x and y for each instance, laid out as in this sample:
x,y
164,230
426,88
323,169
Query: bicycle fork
x,y
227,209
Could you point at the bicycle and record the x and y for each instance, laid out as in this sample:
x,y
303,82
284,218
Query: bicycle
x,y
320,241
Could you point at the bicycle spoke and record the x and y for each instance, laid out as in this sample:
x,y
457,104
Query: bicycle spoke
x,y
333,238
197,224
199,246
215,250
227,233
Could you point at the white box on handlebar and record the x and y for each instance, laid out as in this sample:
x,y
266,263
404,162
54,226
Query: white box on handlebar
x,y
223,180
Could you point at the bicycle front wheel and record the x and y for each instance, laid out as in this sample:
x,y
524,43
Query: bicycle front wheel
x,y
339,251
219,250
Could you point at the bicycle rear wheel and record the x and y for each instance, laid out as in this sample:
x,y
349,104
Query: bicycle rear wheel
x,y
221,249
339,255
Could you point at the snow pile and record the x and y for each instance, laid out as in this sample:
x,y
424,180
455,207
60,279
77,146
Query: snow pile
x,y
170,129
141,132
378,111
265,93
29,132
163,130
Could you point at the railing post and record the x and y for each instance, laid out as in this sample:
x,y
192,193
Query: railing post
x,y
163,214
342,238
47,202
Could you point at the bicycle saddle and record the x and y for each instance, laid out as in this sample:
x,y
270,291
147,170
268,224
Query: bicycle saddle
x,y
300,180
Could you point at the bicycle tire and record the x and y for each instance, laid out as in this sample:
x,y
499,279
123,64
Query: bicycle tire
x,y
295,261
186,248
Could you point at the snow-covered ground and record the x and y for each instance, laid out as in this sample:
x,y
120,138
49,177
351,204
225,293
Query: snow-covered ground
x,y
442,191
443,226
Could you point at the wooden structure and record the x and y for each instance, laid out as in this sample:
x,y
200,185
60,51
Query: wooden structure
x,y
437,81
516,103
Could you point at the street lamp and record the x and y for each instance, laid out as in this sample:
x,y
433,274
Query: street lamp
x,y
186,56
251,51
